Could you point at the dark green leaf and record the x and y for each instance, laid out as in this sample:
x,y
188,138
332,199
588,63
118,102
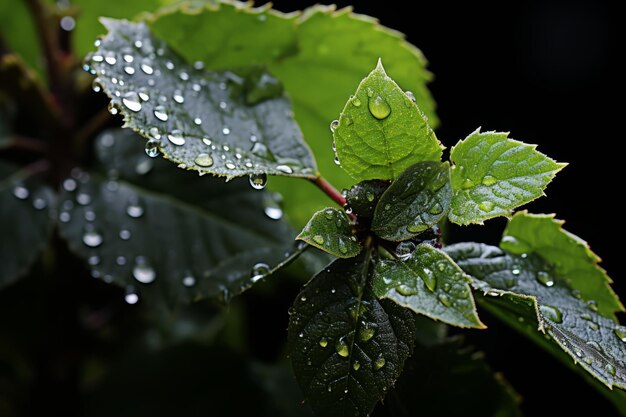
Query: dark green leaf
x,y
416,201
347,347
194,237
493,174
571,256
528,286
25,220
320,55
450,380
199,119
363,197
430,283
381,131
331,231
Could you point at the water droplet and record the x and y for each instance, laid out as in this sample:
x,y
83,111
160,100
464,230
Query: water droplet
x,y
273,213
355,101
444,299
379,107
110,59
318,239
356,365
176,137
545,278
64,217
152,148
486,205
404,250
131,101
197,121
342,348
159,113
593,306
134,210
92,238
323,342
120,260
620,332
515,270
594,345
370,196
225,130
429,278
183,76
131,297
334,125
411,96
147,69
551,313
93,260
405,290
284,168
189,280
203,160
259,270
587,360
124,234
21,192
366,333
610,369
129,70
258,181
489,180
467,184
379,363
436,209
230,165
143,272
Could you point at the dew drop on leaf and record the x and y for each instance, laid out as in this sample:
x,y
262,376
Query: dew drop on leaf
x,y
356,365
379,108
334,125
131,101
620,332
284,168
131,296
203,160
551,313
323,342
404,250
545,278
134,210
160,113
176,137
411,96
342,348
143,272
259,270
489,180
467,184
486,205
92,238
189,280
366,333
444,299
405,290
379,363
318,239
258,181
610,369
20,192
429,279
355,101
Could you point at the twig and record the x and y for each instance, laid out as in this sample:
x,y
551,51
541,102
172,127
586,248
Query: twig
x,y
48,41
28,144
329,190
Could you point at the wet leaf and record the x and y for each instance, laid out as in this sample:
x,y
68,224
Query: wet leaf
x,y
492,175
223,123
330,230
347,347
381,132
162,232
415,202
430,283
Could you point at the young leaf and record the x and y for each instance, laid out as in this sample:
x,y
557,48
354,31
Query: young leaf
x,y
492,175
451,380
571,256
381,131
346,346
25,220
529,286
416,201
330,230
363,197
217,123
430,283
135,227
319,55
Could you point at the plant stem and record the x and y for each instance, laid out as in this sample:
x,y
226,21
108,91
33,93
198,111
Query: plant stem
x,y
329,190
29,144
93,126
47,39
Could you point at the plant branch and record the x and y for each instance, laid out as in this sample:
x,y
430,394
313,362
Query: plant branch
x,y
329,190
29,144
48,41
93,126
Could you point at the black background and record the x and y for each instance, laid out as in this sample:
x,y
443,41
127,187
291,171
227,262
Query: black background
x,y
547,72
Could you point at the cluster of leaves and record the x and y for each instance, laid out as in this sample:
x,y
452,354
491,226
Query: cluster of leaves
x,y
238,107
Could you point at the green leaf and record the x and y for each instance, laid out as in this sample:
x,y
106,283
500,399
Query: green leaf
x,y
492,175
526,285
19,33
25,220
346,346
217,123
415,202
319,55
430,283
572,258
363,197
331,231
451,380
381,131
134,226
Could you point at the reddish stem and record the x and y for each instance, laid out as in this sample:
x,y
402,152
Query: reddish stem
x,y
329,190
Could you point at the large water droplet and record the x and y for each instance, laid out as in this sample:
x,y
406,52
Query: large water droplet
x,y
131,297
551,313
92,238
319,239
258,181
406,290
176,137
545,278
379,363
203,160
284,168
274,213
129,70
259,270
334,125
486,205
379,107
444,299
489,180
342,348
323,342
366,333
146,68
143,272
178,97
160,113
355,101
131,101
404,250
429,278
152,148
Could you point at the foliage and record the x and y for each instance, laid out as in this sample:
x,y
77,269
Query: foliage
x,y
85,192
